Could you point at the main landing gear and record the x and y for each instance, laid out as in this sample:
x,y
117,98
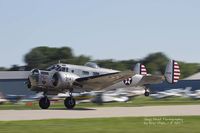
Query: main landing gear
x,y
69,102
44,102
146,93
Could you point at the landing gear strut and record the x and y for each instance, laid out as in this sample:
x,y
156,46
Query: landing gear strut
x,y
146,93
70,102
44,102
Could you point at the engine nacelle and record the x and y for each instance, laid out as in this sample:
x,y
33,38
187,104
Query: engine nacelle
x,y
63,80
33,79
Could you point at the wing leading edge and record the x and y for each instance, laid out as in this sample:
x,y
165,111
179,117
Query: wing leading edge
x,y
102,81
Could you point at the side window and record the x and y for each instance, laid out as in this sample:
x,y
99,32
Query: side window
x,y
72,71
85,72
63,69
95,73
44,73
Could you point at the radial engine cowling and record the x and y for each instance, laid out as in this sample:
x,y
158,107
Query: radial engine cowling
x,y
63,80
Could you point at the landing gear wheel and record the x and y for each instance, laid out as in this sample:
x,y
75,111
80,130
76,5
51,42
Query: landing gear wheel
x,y
70,102
146,93
44,103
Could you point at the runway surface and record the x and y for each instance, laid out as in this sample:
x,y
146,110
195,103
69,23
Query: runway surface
x,y
187,110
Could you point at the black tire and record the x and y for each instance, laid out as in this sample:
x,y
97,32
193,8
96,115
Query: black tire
x,y
70,102
44,103
146,93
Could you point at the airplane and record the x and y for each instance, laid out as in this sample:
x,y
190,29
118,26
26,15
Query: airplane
x,y
14,98
2,98
194,95
62,78
167,93
116,95
181,92
95,97
109,97
31,98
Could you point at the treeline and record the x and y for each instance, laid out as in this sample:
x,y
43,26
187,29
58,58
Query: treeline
x,y
43,57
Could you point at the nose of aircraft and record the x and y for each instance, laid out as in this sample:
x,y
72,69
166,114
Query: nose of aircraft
x,y
28,83
33,78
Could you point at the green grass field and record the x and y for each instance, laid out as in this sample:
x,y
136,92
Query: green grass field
x,y
134,102
180,124
106,125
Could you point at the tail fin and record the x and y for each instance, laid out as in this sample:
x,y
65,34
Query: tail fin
x,y
140,69
172,72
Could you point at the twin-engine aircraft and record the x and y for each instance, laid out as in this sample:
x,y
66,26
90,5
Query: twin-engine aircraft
x,y
62,78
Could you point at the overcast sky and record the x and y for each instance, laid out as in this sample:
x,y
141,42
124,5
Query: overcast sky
x,y
118,29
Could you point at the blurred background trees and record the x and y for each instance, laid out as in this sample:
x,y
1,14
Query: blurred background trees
x,y
43,57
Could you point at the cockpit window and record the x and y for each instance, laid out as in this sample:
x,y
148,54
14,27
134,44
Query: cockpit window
x,y
35,72
51,68
58,68
92,65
